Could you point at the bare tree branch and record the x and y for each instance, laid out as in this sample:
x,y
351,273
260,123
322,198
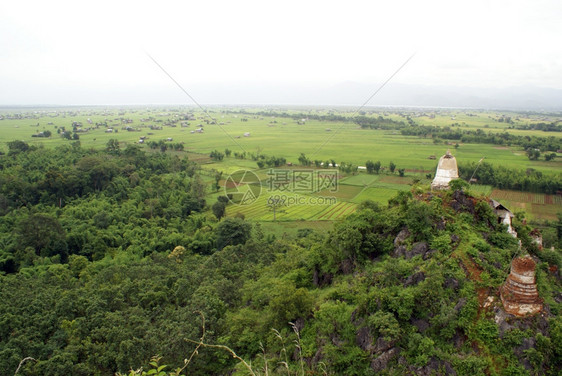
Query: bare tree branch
x,y
22,362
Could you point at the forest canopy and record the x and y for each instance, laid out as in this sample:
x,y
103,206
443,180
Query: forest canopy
x,y
110,258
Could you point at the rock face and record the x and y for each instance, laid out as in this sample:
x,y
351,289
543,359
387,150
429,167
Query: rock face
x,y
446,171
519,292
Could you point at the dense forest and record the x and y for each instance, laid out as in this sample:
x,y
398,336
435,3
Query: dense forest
x,y
110,258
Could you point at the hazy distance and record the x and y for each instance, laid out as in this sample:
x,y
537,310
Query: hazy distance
x,y
498,54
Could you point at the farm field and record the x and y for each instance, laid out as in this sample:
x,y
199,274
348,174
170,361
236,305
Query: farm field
x,y
250,133
537,205
283,229
281,137
360,179
308,208
379,194
481,189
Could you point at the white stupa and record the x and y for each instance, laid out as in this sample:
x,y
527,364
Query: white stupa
x,y
446,171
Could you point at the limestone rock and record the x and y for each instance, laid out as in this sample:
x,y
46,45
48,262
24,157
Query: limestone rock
x,y
401,237
381,362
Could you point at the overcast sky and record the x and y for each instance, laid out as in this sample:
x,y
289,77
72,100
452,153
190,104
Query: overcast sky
x,y
73,52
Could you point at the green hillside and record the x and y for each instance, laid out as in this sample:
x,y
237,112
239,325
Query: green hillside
x,y
111,258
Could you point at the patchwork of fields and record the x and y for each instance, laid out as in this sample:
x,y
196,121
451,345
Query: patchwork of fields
x,y
536,205
354,189
253,134
271,135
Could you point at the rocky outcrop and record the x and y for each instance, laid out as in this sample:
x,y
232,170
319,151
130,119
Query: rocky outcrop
x,y
401,237
419,248
414,279
519,293
381,362
536,237
460,202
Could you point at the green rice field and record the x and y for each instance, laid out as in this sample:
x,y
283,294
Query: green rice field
x,y
250,133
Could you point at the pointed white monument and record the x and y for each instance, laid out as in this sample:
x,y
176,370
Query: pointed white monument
x,y
446,171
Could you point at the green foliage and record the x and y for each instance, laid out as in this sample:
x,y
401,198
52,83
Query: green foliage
x,y
232,231
511,178
289,304
112,146
217,155
43,233
333,334
420,220
556,338
458,185
142,258
442,243
17,146
420,348
354,238
384,324
487,332
470,365
219,209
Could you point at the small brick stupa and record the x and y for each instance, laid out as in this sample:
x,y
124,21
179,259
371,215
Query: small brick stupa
x,y
519,292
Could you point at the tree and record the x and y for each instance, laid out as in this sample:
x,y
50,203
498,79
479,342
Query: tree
x,y
549,156
458,184
218,177
224,199
219,209
377,167
43,233
17,146
227,152
216,155
112,146
303,160
392,167
401,172
370,167
274,203
533,154
232,231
